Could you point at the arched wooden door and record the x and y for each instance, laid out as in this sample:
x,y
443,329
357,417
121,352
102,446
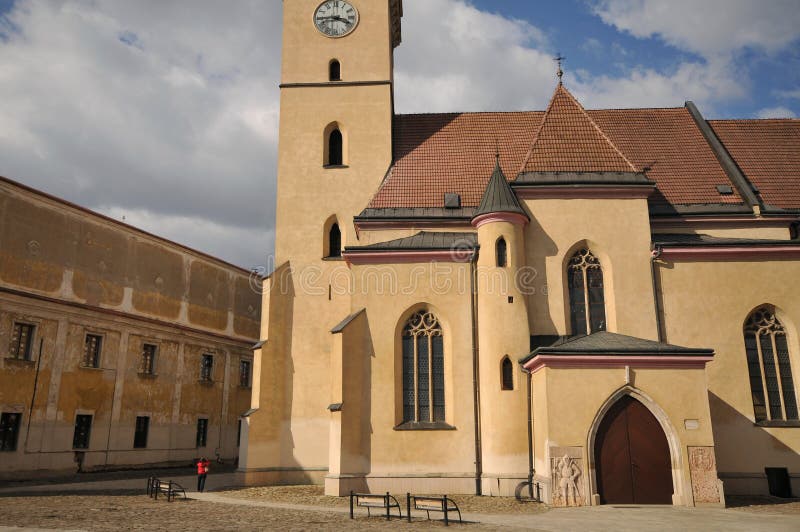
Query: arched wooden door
x,y
632,456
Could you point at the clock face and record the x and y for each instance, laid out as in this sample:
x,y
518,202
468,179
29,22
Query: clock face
x,y
335,18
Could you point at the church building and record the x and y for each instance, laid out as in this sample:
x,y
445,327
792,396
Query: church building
x,y
600,302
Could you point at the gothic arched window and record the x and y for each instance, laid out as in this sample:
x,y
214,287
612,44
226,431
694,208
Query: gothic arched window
x,y
501,252
768,364
335,71
586,300
507,370
423,369
335,148
334,241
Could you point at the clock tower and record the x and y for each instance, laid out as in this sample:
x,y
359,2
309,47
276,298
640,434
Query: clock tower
x,y
335,147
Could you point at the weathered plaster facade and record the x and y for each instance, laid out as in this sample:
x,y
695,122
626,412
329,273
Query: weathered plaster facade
x,y
69,272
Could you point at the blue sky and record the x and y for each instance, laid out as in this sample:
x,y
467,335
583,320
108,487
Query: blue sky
x,y
165,112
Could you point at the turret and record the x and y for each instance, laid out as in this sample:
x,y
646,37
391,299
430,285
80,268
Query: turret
x,y
503,335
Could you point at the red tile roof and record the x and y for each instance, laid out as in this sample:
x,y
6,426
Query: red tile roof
x,y
768,152
568,140
439,153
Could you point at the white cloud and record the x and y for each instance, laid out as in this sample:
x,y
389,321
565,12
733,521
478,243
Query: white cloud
x,y
709,27
165,107
795,94
775,112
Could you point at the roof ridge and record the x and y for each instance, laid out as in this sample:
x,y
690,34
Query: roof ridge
x,y
538,131
599,130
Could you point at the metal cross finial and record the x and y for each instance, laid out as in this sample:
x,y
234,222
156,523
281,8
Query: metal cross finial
x,y
560,72
496,151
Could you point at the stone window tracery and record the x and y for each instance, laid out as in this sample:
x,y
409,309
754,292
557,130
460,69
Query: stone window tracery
x,y
769,367
586,297
423,369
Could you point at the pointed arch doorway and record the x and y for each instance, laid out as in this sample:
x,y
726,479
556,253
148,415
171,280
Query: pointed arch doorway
x,y
632,456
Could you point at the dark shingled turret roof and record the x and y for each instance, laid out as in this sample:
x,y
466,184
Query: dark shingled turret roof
x,y
498,196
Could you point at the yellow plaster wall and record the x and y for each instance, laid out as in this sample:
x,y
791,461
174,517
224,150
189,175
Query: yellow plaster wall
x,y
706,304
617,231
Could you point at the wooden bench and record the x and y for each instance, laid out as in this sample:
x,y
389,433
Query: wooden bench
x,y
371,500
169,488
428,504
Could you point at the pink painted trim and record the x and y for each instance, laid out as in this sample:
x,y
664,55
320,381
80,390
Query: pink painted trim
x,y
406,257
583,191
510,217
615,361
729,252
747,219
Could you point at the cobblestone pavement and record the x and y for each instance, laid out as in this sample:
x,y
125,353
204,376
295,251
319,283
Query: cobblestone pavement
x,y
118,503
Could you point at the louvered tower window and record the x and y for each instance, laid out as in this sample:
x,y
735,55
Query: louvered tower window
x,y
423,369
768,363
586,299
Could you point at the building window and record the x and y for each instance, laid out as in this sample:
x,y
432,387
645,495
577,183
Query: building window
x,y
207,368
507,370
239,433
83,429
91,350
768,364
423,369
140,435
335,71
335,241
9,430
586,299
244,373
148,363
202,432
335,145
22,341
501,252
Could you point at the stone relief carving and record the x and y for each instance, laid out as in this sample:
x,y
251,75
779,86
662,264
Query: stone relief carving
x,y
566,470
703,471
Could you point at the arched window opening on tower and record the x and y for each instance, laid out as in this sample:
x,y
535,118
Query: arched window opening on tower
x,y
334,241
502,252
335,70
335,148
768,363
423,369
507,377
586,299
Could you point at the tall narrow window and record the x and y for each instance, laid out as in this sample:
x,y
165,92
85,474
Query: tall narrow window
x,y
207,368
335,71
147,365
202,432
140,434
335,241
244,373
423,369
335,148
768,363
22,341
507,369
92,346
501,252
9,430
83,430
586,299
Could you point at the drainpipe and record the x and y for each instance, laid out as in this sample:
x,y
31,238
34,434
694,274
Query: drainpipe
x,y
531,450
654,256
33,394
476,373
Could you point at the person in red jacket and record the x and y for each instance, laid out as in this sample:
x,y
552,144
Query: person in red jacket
x,y
202,472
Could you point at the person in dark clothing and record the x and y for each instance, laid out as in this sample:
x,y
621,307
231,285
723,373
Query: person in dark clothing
x,y
202,472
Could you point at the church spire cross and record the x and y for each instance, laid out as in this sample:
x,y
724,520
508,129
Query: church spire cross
x,y
559,58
